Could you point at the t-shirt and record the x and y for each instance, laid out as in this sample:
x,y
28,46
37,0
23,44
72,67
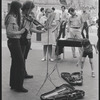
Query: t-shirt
x,y
75,21
88,49
64,16
11,27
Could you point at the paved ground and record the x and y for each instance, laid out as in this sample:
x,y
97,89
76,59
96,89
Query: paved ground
x,y
38,68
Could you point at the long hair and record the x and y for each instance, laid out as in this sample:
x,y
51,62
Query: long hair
x,y
15,11
28,5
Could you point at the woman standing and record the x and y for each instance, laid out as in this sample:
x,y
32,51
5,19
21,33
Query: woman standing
x,y
12,23
48,38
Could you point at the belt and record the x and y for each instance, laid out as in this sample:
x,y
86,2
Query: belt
x,y
75,27
13,38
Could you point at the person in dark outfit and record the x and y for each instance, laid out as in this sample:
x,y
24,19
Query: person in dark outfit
x,y
87,51
64,20
86,20
13,32
28,24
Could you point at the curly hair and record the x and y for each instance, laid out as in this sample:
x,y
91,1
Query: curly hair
x,y
41,9
28,5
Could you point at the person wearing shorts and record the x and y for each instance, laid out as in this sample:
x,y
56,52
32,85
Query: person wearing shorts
x,y
87,51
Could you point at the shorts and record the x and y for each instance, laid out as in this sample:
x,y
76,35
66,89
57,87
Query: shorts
x,y
90,55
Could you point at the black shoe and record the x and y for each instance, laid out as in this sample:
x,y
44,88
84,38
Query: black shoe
x,y
28,76
12,88
30,48
21,90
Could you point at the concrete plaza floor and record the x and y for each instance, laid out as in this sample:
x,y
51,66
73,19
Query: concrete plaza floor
x,y
38,68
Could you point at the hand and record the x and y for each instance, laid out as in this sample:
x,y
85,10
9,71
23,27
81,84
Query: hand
x,y
22,30
41,31
44,30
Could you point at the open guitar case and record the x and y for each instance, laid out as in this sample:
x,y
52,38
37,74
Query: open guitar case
x,y
63,92
73,79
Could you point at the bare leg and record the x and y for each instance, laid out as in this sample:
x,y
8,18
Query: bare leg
x,y
44,52
92,68
82,64
73,52
50,52
80,56
91,63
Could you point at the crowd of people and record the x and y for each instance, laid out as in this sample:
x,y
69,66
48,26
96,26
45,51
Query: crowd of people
x,y
20,26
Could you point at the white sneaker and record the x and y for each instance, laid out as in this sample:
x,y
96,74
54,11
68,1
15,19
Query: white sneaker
x,y
43,59
51,59
92,74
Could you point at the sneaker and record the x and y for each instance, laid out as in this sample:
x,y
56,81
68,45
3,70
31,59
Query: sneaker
x,y
43,59
51,60
92,74
28,76
30,48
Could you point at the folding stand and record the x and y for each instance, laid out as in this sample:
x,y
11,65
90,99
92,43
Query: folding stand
x,y
47,74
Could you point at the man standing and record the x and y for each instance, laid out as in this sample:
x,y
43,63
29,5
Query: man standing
x,y
86,20
27,23
42,13
64,20
75,25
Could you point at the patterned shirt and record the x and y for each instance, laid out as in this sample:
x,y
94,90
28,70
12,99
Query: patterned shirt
x,y
11,26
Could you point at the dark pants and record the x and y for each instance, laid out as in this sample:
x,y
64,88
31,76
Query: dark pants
x,y
17,64
85,27
62,30
25,50
59,50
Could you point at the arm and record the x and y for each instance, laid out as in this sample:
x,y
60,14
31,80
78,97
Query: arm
x,y
67,17
82,23
32,28
68,28
36,31
89,19
12,27
58,24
